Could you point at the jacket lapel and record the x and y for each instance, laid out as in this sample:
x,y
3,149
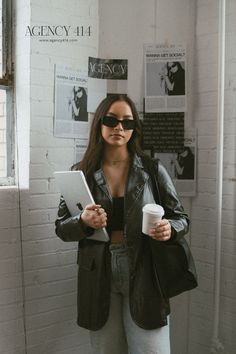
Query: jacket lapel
x,y
135,184
101,182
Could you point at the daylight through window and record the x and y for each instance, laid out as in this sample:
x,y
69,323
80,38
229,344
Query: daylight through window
x,y
6,95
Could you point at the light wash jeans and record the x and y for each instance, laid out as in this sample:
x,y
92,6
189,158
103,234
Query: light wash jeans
x,y
120,335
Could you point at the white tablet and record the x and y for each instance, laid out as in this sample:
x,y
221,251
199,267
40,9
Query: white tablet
x,y
77,195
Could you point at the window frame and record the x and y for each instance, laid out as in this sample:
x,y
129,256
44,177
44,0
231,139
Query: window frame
x,y
7,84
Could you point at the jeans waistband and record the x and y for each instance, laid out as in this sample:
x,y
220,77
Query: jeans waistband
x,y
117,246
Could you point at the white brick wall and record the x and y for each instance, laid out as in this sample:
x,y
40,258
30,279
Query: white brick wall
x,y
49,264
2,114
11,319
2,132
204,221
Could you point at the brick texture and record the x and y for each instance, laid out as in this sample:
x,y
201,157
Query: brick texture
x,y
38,270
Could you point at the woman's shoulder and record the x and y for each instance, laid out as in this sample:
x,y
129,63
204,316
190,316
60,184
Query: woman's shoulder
x,y
149,161
154,165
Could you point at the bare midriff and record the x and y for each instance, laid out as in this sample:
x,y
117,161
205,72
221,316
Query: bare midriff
x,y
117,236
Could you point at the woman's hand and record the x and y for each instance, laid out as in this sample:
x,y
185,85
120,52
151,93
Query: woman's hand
x,y
94,216
162,231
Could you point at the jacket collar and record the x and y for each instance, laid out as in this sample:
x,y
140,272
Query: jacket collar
x,y
137,162
99,175
135,184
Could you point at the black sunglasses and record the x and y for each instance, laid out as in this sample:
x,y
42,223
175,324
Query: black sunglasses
x,y
112,122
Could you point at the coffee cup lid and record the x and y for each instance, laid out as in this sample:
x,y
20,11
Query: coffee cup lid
x,y
153,209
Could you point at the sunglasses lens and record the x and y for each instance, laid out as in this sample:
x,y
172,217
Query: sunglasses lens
x,y
128,124
112,122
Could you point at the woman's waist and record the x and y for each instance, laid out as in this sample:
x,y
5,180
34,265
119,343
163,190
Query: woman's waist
x,y
117,236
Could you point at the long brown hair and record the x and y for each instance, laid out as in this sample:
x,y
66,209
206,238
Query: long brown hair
x,y
94,153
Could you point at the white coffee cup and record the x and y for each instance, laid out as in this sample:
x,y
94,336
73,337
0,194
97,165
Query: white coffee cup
x,y
152,213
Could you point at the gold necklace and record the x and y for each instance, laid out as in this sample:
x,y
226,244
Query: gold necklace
x,y
114,162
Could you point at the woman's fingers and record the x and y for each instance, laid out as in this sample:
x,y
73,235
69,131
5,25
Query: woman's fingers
x,y
92,207
162,231
94,216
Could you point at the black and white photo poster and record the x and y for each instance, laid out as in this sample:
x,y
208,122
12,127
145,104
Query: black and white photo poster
x,y
165,78
71,97
182,165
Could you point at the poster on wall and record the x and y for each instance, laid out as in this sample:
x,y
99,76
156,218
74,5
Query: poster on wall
x,y
165,78
70,110
105,76
163,132
80,148
182,165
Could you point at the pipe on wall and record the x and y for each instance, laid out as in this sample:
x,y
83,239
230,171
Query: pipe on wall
x,y
217,346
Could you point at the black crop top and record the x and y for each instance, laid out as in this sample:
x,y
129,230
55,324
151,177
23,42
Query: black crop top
x,y
117,221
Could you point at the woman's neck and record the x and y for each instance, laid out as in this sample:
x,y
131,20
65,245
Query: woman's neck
x,y
115,157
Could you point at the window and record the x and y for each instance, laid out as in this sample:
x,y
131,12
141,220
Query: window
x,y
6,95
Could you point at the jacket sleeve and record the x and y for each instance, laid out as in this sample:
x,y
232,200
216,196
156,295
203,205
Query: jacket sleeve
x,y
70,228
174,210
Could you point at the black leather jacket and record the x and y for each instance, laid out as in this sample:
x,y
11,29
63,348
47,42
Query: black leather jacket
x,y
148,305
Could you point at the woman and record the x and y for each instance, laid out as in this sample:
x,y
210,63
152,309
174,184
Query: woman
x,y
174,79
119,297
184,164
79,104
